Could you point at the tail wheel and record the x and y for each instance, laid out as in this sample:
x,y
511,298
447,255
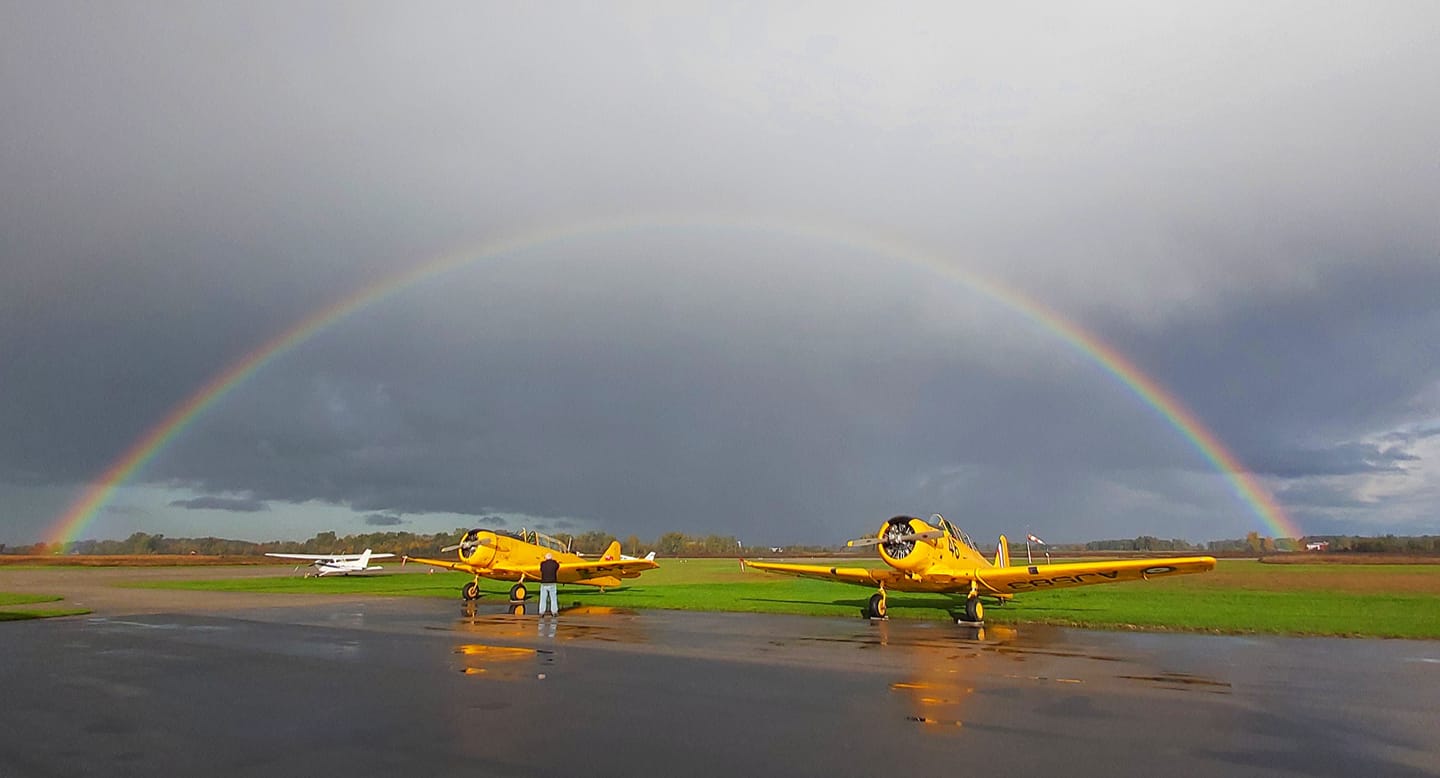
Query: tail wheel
x,y
470,591
974,609
518,592
877,606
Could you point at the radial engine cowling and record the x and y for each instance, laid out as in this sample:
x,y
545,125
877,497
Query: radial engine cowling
x,y
902,552
478,547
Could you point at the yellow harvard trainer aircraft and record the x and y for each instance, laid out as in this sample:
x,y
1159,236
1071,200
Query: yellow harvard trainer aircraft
x,y
516,556
939,557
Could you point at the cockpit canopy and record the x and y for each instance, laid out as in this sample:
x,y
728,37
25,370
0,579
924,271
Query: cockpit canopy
x,y
524,536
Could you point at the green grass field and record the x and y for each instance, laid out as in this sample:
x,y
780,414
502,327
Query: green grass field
x,y
1240,596
8,598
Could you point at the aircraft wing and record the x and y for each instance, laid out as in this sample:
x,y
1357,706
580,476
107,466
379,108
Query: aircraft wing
x,y
1038,578
327,557
589,568
856,575
1000,581
448,564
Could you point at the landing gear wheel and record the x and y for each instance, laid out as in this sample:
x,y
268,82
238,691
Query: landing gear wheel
x,y
876,609
518,609
518,593
974,610
470,591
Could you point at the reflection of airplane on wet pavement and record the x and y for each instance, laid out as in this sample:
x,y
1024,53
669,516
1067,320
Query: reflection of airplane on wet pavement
x,y
930,558
337,564
516,556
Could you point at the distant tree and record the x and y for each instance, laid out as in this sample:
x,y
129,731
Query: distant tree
x,y
323,543
671,544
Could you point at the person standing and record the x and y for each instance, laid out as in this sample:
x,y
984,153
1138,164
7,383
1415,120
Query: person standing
x,y
549,573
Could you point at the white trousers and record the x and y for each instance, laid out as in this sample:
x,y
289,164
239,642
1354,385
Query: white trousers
x,y
549,589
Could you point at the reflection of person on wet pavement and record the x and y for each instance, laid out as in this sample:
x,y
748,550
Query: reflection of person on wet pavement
x,y
549,570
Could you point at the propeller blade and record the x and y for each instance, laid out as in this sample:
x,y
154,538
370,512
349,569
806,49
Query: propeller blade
x,y
448,549
865,542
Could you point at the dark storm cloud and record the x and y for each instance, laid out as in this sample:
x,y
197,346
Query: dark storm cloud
x,y
1239,199
384,520
222,504
1345,459
1347,357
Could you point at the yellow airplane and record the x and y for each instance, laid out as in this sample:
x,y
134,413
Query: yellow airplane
x,y
516,556
942,558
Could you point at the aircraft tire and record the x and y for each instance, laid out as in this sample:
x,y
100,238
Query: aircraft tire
x,y
518,593
974,610
876,608
470,591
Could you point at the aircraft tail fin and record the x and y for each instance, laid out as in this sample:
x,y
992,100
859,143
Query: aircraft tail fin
x,y
650,557
612,551
365,559
1002,553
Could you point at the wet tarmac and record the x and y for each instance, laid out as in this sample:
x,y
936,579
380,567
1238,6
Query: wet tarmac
x,y
277,685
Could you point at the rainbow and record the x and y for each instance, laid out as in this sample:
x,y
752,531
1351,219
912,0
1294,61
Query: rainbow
x,y
83,510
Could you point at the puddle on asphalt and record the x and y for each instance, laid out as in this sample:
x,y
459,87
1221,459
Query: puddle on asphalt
x,y
596,610
1182,682
595,623
936,702
503,662
935,722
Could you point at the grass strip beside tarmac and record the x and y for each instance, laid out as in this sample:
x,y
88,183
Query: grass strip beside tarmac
x,y
10,598
1240,596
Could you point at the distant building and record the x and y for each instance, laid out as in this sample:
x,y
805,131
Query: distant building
x,y
1318,545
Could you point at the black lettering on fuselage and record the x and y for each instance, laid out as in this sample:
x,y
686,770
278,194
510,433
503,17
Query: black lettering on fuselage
x,y
1078,578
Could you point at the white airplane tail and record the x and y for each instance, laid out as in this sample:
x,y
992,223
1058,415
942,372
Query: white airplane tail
x,y
650,557
1002,553
364,560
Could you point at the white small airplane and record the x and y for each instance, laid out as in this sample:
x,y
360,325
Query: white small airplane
x,y
333,564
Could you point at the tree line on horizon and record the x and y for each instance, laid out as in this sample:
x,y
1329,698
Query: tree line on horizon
x,y
669,544
679,544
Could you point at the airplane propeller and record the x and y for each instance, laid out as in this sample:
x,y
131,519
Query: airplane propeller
x,y
468,544
863,542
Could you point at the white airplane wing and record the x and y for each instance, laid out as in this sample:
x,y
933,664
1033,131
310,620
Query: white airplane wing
x,y
327,557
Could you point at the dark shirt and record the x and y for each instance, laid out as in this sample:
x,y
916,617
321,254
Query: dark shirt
x,y
548,570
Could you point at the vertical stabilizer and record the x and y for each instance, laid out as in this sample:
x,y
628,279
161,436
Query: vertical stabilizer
x,y
612,551
365,559
1002,553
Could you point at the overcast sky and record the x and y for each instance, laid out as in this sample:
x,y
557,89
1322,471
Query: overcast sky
x,y
1241,198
